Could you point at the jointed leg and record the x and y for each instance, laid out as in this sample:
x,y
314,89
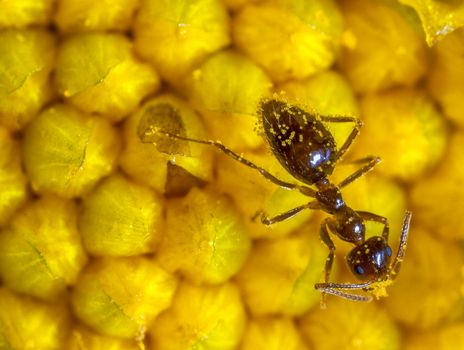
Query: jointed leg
x,y
371,162
287,215
303,189
396,265
377,218
324,233
357,126
338,290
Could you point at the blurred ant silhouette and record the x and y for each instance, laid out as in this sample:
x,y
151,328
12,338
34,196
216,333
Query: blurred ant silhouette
x,y
307,150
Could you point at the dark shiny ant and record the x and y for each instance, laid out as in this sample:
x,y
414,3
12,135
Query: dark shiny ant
x,y
307,150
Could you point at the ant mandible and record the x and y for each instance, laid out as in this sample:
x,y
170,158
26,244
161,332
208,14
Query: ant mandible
x,y
307,150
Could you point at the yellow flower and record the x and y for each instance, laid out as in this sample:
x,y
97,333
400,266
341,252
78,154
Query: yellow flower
x,y
117,231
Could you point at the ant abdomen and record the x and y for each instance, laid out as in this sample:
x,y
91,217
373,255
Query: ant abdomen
x,y
299,140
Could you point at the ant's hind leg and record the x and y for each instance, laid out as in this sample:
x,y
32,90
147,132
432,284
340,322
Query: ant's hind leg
x,y
371,161
367,216
353,134
218,145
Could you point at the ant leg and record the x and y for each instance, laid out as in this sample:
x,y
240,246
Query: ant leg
x,y
337,289
354,133
377,218
345,295
371,161
324,234
396,265
303,189
287,215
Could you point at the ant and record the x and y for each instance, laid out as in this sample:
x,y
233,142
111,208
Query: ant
x,y
307,150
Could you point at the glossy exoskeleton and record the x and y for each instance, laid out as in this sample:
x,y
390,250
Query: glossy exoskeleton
x,y
307,150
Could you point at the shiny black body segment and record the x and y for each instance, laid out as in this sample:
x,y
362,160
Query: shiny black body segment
x,y
299,140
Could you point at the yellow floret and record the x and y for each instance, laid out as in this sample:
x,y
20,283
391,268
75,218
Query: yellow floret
x,y
28,324
279,275
82,338
382,48
13,189
446,78
237,4
349,325
88,166
326,93
26,59
145,161
142,161
272,333
41,252
439,280
439,198
99,74
120,218
89,15
450,337
410,134
122,296
66,152
205,238
439,18
229,104
291,39
176,35
21,13
206,318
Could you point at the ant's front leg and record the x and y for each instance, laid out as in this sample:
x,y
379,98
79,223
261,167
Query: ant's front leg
x,y
324,233
368,216
396,265
338,289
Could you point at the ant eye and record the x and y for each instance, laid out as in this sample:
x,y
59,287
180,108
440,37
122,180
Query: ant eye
x,y
359,270
388,251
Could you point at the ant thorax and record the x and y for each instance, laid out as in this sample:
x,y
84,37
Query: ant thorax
x,y
329,197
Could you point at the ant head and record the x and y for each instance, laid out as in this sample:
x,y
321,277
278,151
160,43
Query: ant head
x,y
370,260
